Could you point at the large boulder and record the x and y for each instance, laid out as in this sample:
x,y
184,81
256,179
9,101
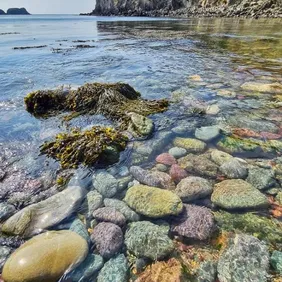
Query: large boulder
x,y
236,194
153,202
194,223
35,218
245,259
193,188
145,239
46,257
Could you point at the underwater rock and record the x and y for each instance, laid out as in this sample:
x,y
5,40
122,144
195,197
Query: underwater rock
x,y
105,184
88,269
207,133
140,125
262,87
145,239
193,188
261,178
212,110
93,201
276,261
201,165
235,168
35,218
238,194
161,167
152,178
207,272
99,144
4,254
166,159
177,173
153,202
108,239
122,207
267,229
6,211
220,157
161,271
79,228
245,259
194,223
47,257
177,152
109,214
190,144
115,270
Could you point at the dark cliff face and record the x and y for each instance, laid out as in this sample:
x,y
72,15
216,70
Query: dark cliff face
x,y
2,12
189,7
17,11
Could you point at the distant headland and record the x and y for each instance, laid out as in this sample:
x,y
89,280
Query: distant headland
x,y
15,11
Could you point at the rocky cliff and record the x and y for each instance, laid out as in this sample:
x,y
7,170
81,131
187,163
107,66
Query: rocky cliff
x,y
2,12
17,11
187,8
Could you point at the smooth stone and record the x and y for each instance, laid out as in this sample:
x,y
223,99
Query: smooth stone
x,y
166,159
177,152
261,178
161,167
220,157
276,261
93,201
193,188
108,238
245,259
105,184
37,217
88,269
152,178
145,239
141,124
4,254
177,173
115,270
123,171
262,87
79,228
46,257
234,169
122,207
6,210
237,194
190,144
207,133
194,223
212,110
153,202
109,214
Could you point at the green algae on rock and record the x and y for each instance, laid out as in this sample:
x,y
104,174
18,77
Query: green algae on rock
x,y
46,257
264,228
190,144
153,202
87,147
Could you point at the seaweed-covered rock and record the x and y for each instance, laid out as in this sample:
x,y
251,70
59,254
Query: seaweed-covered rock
x,y
267,229
194,223
87,147
88,269
114,270
261,178
105,183
276,261
109,214
140,125
108,239
152,178
153,202
190,144
145,239
245,259
161,271
193,188
122,207
236,194
37,217
234,168
46,257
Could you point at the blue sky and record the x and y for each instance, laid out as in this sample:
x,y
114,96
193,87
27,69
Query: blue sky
x,y
50,6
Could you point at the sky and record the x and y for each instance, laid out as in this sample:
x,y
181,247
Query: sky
x,y
50,6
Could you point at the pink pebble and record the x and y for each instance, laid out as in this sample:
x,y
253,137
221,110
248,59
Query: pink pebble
x,y
166,159
177,173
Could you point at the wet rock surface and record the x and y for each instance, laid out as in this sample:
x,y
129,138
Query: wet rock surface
x,y
109,214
